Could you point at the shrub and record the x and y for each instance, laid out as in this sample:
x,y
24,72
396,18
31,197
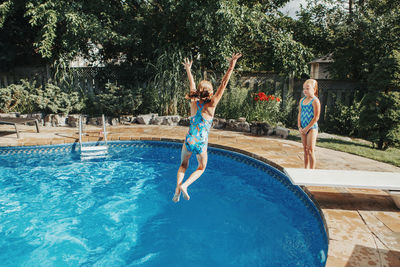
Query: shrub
x,y
118,100
288,112
14,98
169,82
51,99
264,108
233,101
343,119
380,118
26,97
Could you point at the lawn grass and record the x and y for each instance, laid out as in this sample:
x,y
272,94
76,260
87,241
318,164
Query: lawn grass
x,y
363,149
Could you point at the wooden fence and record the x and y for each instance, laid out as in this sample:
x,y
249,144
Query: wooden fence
x,y
90,79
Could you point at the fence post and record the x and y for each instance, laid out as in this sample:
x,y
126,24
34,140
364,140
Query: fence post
x,y
291,83
323,99
47,72
284,90
5,80
290,88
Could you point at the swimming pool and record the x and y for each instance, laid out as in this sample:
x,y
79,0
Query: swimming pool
x,y
57,210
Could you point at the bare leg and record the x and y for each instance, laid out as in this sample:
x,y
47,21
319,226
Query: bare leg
x,y
185,156
202,160
311,141
304,141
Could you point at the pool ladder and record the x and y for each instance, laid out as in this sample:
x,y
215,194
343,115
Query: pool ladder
x,y
93,151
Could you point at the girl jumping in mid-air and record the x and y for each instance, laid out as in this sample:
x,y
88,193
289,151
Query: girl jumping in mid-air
x,y
309,110
202,108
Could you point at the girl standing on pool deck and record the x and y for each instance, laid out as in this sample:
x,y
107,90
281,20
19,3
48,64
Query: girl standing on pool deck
x,y
202,107
309,110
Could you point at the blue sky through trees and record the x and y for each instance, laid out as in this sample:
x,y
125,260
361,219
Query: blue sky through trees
x,y
293,6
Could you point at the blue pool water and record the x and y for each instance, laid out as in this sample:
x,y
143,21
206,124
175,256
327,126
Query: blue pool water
x,y
56,210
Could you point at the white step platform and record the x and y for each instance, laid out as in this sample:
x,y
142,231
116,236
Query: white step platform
x,y
85,157
93,148
94,152
344,178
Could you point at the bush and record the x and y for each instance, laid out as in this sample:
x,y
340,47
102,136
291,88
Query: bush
x,y
51,99
15,98
26,97
239,101
289,111
380,118
343,119
168,84
233,100
264,108
117,100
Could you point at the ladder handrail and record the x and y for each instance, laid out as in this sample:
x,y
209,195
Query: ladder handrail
x,y
80,131
104,129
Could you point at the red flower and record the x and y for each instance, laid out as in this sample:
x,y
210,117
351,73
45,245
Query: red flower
x,y
261,96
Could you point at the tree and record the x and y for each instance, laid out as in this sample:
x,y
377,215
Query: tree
x,y
52,29
386,74
380,118
143,30
358,39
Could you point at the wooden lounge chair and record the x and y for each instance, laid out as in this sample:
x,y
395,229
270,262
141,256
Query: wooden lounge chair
x,y
15,121
389,181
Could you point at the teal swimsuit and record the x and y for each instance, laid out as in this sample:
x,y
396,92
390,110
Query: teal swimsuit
x,y
307,114
197,137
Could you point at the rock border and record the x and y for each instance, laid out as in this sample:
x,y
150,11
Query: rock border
x,y
239,125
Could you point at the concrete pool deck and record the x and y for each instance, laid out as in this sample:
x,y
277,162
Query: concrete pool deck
x,y
363,224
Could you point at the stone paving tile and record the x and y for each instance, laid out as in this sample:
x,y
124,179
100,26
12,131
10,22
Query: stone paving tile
x,y
324,189
348,201
390,219
389,238
389,258
352,235
346,220
366,191
348,254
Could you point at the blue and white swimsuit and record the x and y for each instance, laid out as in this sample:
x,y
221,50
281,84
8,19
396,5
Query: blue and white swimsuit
x,y
197,138
307,114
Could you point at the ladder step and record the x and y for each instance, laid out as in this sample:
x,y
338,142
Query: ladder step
x,y
93,148
94,157
94,153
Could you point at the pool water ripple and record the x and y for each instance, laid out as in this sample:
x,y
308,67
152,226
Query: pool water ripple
x,y
57,210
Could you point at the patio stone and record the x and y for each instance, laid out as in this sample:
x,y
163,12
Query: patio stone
x,y
348,254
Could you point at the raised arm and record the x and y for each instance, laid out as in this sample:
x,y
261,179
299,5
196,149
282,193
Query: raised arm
x,y
225,79
188,66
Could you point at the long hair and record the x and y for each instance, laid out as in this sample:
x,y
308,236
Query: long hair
x,y
204,92
314,85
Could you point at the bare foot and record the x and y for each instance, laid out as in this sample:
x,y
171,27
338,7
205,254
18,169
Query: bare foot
x,y
184,192
177,195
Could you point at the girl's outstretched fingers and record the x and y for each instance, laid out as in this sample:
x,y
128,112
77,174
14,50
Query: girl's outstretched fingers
x,y
236,56
187,63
